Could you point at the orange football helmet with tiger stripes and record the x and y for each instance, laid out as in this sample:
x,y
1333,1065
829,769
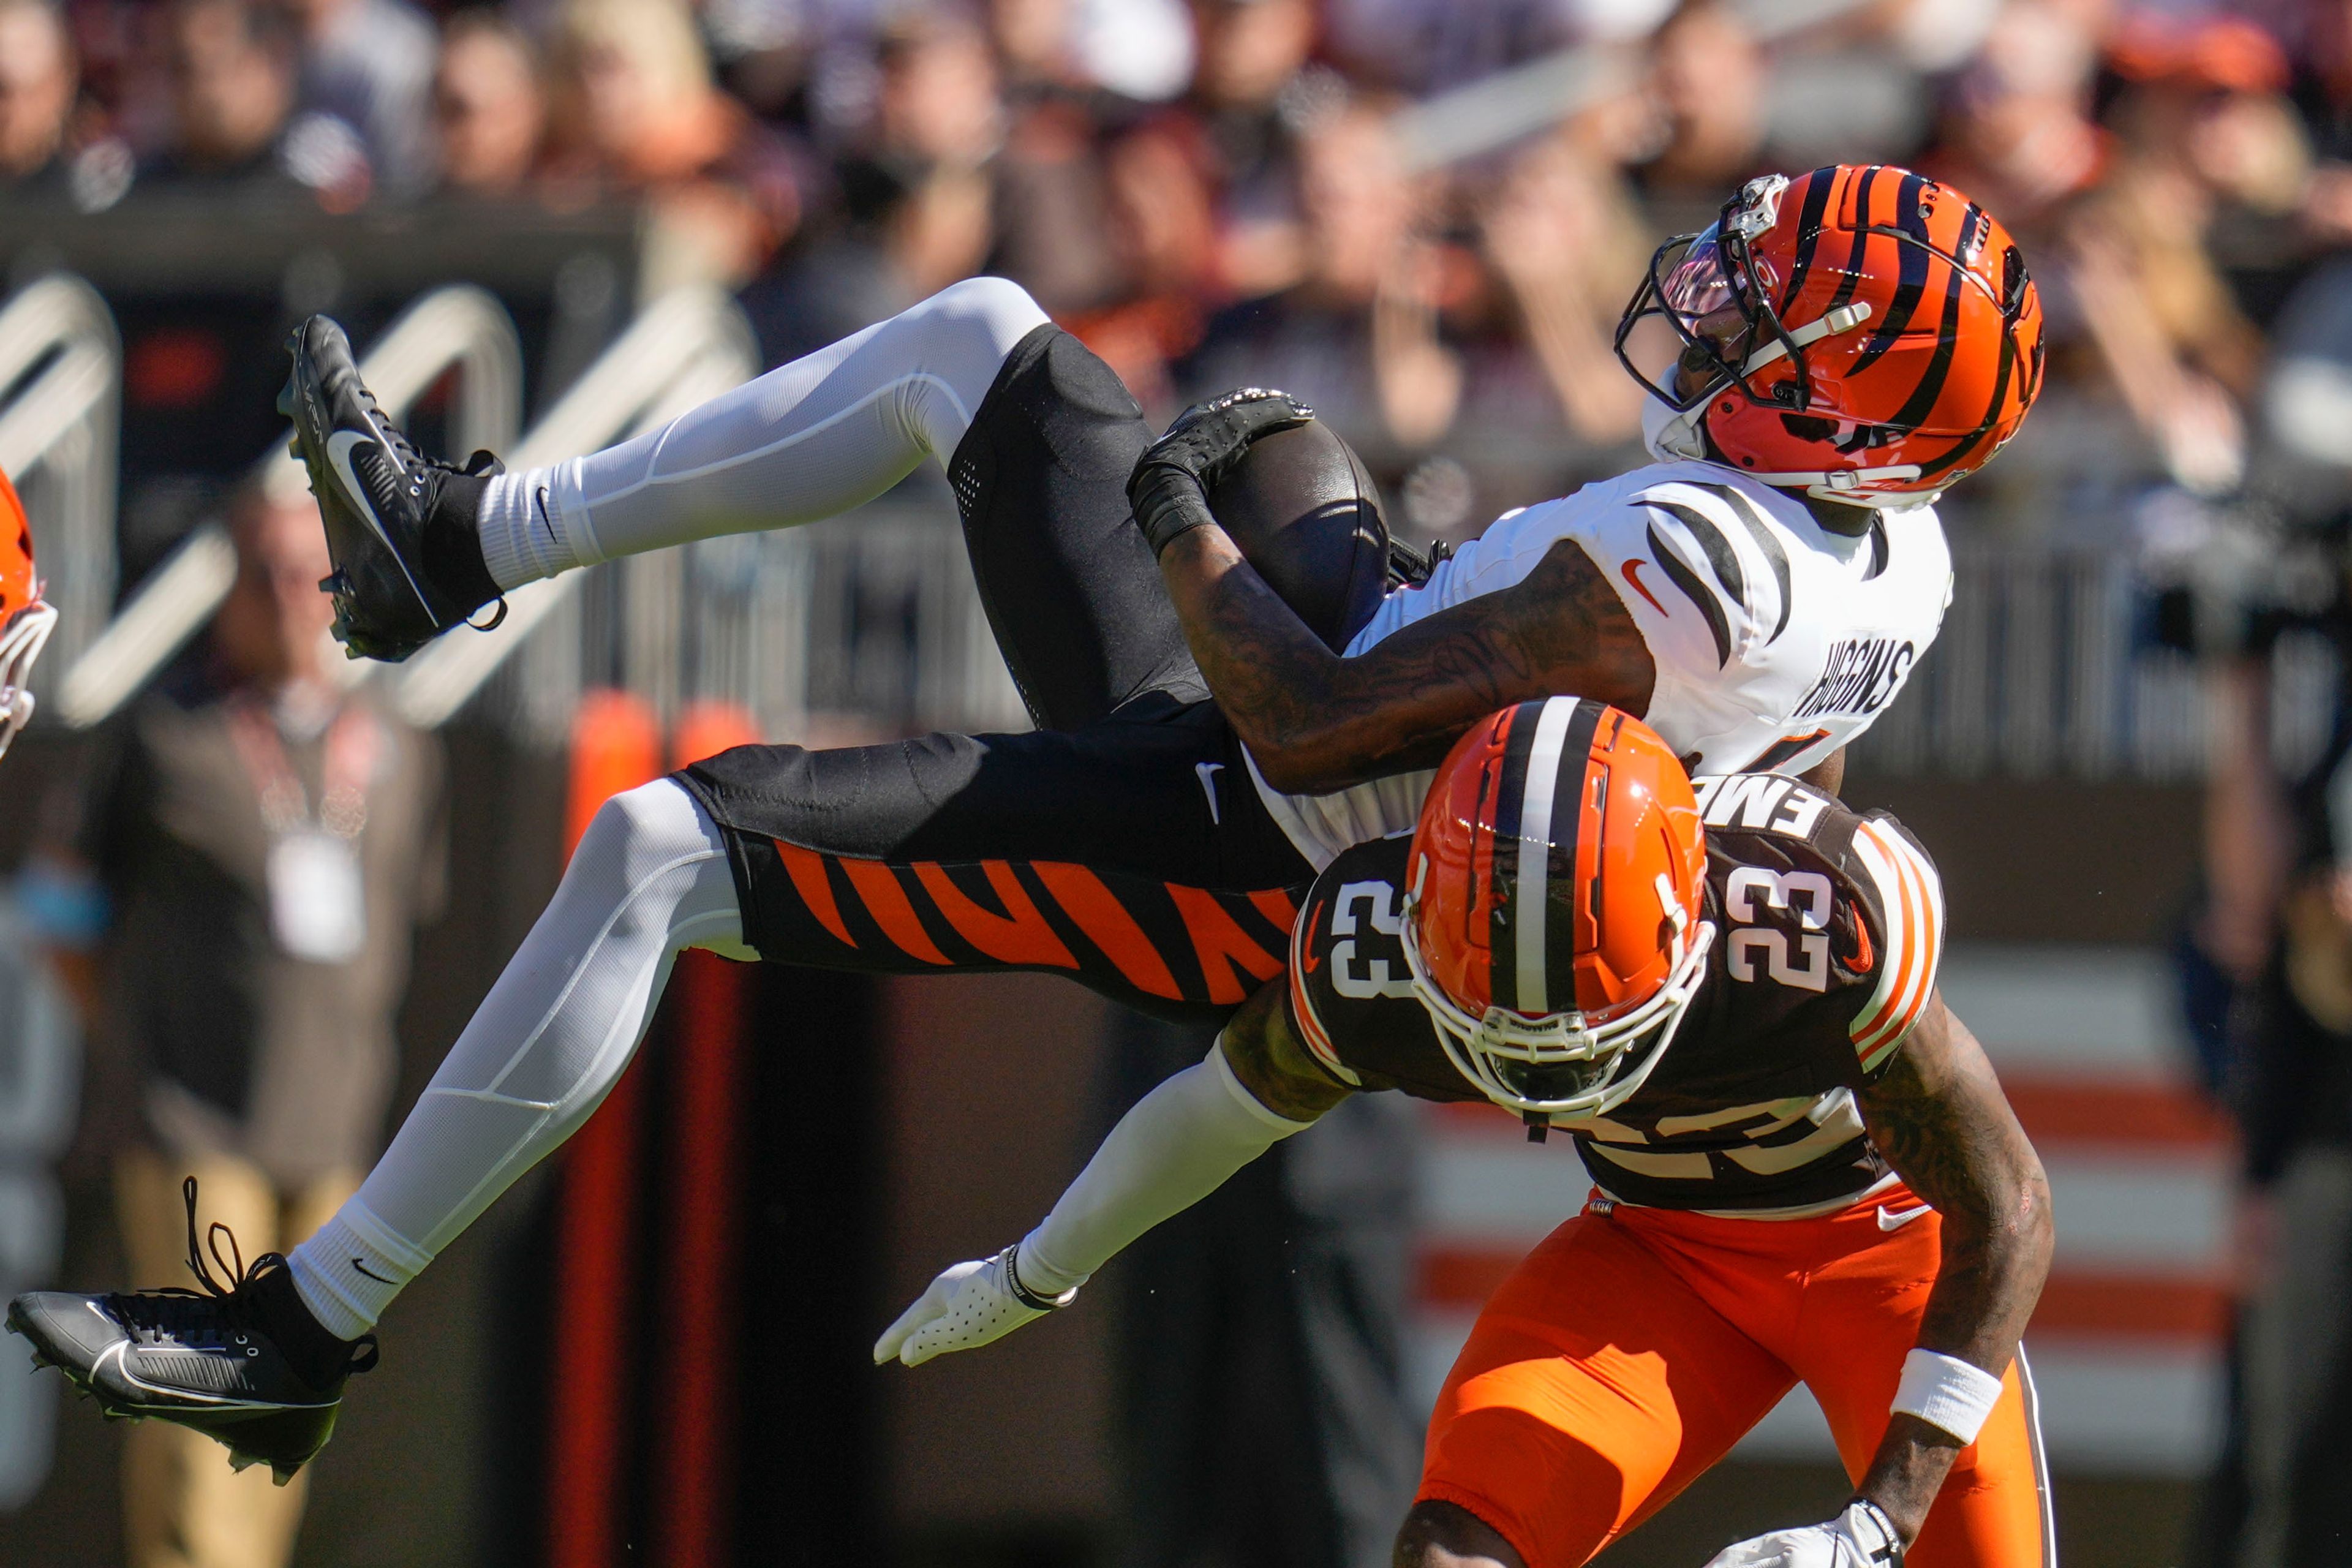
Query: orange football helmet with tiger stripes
x,y
1863,333
26,621
1553,914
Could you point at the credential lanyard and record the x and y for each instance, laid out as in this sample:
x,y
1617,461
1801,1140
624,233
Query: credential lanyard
x,y
353,745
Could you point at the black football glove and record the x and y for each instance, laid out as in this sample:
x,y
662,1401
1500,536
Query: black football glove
x,y
1169,491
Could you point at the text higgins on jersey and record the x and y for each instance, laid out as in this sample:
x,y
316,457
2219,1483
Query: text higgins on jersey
x,y
1859,675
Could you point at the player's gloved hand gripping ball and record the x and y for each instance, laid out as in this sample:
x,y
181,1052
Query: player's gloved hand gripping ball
x,y
1169,491
968,1306
1861,1537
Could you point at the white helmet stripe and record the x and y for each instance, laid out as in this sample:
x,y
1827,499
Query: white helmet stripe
x,y
1531,897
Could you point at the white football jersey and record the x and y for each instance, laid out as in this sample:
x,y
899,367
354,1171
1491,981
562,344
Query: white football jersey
x,y
1777,641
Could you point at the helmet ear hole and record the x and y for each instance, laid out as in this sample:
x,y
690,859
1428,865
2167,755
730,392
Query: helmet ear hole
x,y
1808,427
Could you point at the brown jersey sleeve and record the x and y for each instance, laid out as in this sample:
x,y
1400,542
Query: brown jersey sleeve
x,y
1891,871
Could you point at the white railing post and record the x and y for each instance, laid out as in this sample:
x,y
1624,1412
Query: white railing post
x,y
60,437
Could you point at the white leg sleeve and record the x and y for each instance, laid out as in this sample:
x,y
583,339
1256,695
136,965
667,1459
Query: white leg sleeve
x,y
649,879
1181,1141
804,441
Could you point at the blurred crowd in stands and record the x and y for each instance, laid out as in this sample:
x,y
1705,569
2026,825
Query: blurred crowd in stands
x,y
1278,191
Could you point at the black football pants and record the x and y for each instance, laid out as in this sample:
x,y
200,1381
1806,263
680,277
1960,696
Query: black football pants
x,y
1122,842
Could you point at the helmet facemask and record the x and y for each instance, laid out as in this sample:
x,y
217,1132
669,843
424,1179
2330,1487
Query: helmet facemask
x,y
1562,1064
1716,295
20,645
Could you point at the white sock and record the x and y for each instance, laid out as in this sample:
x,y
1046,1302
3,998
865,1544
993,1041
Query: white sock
x,y
350,1270
649,879
521,530
808,440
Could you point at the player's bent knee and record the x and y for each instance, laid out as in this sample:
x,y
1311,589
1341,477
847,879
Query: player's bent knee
x,y
998,308
638,830
1446,1535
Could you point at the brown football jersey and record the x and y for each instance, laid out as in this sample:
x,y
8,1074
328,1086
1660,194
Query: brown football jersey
x,y
1828,926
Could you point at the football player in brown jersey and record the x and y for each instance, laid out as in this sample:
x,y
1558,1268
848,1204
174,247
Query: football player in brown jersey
x,y
1804,1169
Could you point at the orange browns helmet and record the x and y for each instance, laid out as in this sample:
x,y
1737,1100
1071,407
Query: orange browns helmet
x,y
1552,916
1865,334
26,621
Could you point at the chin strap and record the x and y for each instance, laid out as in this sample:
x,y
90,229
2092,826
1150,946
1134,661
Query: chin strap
x,y
1845,485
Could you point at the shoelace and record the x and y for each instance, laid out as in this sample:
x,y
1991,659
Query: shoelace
x,y
481,462
200,1317
219,1314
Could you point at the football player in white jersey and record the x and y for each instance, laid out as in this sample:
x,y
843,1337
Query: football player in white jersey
x,y
1837,349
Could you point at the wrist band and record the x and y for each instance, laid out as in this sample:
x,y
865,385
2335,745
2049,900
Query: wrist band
x,y
1169,505
1863,1518
1026,1296
1946,1393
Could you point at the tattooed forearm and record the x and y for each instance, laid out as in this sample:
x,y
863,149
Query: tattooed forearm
x,y
1316,721
1940,1118
1272,1064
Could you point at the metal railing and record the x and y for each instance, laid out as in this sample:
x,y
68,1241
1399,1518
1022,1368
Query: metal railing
x,y
61,367
461,328
2046,668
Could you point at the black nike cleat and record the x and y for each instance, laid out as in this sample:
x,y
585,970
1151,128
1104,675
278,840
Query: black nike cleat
x,y
247,1365
399,524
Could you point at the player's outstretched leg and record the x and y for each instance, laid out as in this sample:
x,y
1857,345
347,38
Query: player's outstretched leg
x,y
420,546
242,1360
259,1361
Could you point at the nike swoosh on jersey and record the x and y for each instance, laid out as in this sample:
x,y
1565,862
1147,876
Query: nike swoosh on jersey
x,y
1896,1219
339,457
1207,773
1864,960
1638,586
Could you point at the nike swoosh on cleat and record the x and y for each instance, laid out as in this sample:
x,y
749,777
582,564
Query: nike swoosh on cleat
x,y
339,457
1896,1219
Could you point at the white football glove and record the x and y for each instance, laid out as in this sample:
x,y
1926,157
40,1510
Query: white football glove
x,y
968,1305
1861,1537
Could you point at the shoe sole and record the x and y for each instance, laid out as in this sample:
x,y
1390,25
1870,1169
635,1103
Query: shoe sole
x,y
309,447
283,1439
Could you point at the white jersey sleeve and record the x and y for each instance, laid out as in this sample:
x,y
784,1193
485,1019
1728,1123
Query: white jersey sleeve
x,y
1707,583
1775,640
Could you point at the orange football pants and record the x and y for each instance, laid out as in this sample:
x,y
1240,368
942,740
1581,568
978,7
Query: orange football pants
x,y
1634,1346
